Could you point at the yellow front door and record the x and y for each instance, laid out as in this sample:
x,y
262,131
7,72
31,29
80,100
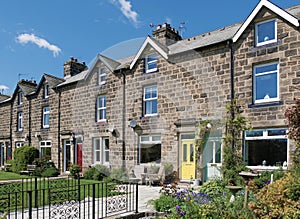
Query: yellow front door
x,y
188,159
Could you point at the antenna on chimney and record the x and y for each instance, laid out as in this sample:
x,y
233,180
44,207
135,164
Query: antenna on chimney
x,y
182,29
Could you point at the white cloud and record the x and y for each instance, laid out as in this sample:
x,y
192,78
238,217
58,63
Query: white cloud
x,y
40,42
3,88
125,7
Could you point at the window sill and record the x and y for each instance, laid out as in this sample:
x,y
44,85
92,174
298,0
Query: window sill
x,y
266,104
19,131
147,117
151,71
45,129
266,168
101,122
267,45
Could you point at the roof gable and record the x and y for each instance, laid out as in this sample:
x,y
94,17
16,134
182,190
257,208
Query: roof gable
x,y
274,8
154,44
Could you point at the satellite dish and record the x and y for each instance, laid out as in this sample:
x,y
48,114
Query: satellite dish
x,y
111,128
132,123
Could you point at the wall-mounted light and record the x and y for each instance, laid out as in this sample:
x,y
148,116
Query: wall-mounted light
x,y
113,131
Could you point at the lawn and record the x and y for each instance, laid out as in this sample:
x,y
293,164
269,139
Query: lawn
x,y
43,192
11,176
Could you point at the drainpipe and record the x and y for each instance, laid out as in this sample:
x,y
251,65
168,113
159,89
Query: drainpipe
x,y
124,121
29,121
11,124
232,87
58,131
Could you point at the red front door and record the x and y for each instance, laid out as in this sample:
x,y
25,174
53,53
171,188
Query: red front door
x,y
79,154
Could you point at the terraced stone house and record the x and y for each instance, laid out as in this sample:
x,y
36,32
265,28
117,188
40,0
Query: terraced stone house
x,y
146,109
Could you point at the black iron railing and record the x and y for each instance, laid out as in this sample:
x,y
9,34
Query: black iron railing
x,y
66,198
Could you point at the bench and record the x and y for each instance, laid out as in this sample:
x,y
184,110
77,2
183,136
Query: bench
x,y
29,170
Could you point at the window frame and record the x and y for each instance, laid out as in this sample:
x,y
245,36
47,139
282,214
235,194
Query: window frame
x,y
20,98
20,121
45,144
150,141
45,115
257,43
151,99
101,74
46,93
102,150
263,134
255,75
101,110
147,63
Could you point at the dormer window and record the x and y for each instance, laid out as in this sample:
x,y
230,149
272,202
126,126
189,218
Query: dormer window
x,y
102,76
20,98
151,63
266,32
46,91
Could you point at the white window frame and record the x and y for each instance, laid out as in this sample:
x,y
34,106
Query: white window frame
x,y
265,136
101,110
46,113
147,63
20,98
20,121
45,144
101,75
151,99
46,91
152,139
267,98
257,33
102,151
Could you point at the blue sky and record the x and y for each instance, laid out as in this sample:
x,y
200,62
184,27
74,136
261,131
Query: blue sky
x,y
37,36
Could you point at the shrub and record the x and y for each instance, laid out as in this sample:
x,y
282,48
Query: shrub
x,y
50,172
42,165
119,174
214,187
275,200
264,179
97,172
23,156
75,170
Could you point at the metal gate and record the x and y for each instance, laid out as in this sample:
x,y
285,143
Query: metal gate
x,y
66,198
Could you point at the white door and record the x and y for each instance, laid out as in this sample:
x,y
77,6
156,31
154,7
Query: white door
x,y
212,159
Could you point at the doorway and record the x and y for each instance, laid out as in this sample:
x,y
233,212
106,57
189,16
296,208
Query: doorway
x,y
67,155
188,159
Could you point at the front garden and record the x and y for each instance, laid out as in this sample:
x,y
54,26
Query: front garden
x,y
267,195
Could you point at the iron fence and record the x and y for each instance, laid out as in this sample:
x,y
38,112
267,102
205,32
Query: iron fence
x,y
66,198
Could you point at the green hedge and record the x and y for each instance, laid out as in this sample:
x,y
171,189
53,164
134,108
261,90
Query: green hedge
x,y
22,157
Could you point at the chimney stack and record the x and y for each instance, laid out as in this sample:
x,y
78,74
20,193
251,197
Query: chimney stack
x,y
73,67
166,35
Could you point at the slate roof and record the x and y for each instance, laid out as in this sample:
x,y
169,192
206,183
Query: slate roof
x,y
294,10
4,97
27,87
52,80
74,78
205,39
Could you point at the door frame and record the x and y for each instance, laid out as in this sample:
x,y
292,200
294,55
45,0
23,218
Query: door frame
x,y
185,136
